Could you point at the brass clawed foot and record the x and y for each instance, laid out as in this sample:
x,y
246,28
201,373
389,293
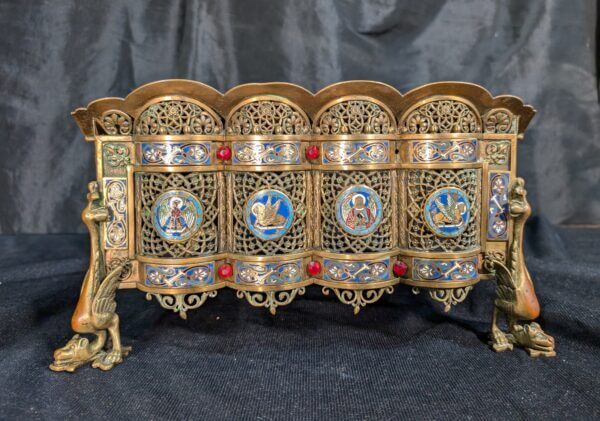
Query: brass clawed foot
x,y
500,341
107,360
533,339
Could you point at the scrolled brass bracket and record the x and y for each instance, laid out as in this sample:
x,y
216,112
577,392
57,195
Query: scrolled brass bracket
x,y
181,303
271,299
447,296
358,298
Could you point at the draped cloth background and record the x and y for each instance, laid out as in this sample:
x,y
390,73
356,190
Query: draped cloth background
x,y
59,55
399,358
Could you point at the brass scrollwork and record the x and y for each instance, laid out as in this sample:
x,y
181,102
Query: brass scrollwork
x,y
497,152
447,296
499,121
445,116
182,303
116,157
267,118
125,263
358,298
115,122
354,117
271,299
178,117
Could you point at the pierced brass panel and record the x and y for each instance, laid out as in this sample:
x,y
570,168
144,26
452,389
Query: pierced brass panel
x,y
442,116
267,117
177,117
419,185
295,186
204,185
355,117
333,237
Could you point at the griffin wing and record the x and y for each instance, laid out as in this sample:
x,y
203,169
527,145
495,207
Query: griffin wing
x,y
104,304
503,276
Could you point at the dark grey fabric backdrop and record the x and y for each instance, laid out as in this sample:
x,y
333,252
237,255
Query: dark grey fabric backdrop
x,y
58,55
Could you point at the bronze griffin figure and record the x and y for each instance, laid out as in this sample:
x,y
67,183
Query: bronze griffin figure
x,y
95,311
515,294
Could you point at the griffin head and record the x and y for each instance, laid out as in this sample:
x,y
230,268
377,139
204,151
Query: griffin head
x,y
75,353
518,191
93,191
532,336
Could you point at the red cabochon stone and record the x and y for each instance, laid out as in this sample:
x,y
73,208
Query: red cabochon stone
x,y
225,271
224,153
313,268
312,152
400,268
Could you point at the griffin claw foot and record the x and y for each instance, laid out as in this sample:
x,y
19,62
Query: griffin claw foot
x,y
111,358
500,342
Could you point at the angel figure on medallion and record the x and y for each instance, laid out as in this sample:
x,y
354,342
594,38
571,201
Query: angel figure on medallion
x,y
175,222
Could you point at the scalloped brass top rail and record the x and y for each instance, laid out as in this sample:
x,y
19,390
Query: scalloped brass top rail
x,y
91,119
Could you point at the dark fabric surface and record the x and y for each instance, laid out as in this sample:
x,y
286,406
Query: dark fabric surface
x,y
59,55
399,358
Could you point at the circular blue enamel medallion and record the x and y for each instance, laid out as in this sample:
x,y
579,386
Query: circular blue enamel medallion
x,y
269,214
358,210
447,211
176,215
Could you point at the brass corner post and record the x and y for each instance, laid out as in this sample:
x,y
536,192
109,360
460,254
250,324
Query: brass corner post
x,y
96,309
515,294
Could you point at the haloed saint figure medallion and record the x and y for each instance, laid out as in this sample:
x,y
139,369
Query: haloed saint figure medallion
x,y
269,214
447,211
176,215
358,210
